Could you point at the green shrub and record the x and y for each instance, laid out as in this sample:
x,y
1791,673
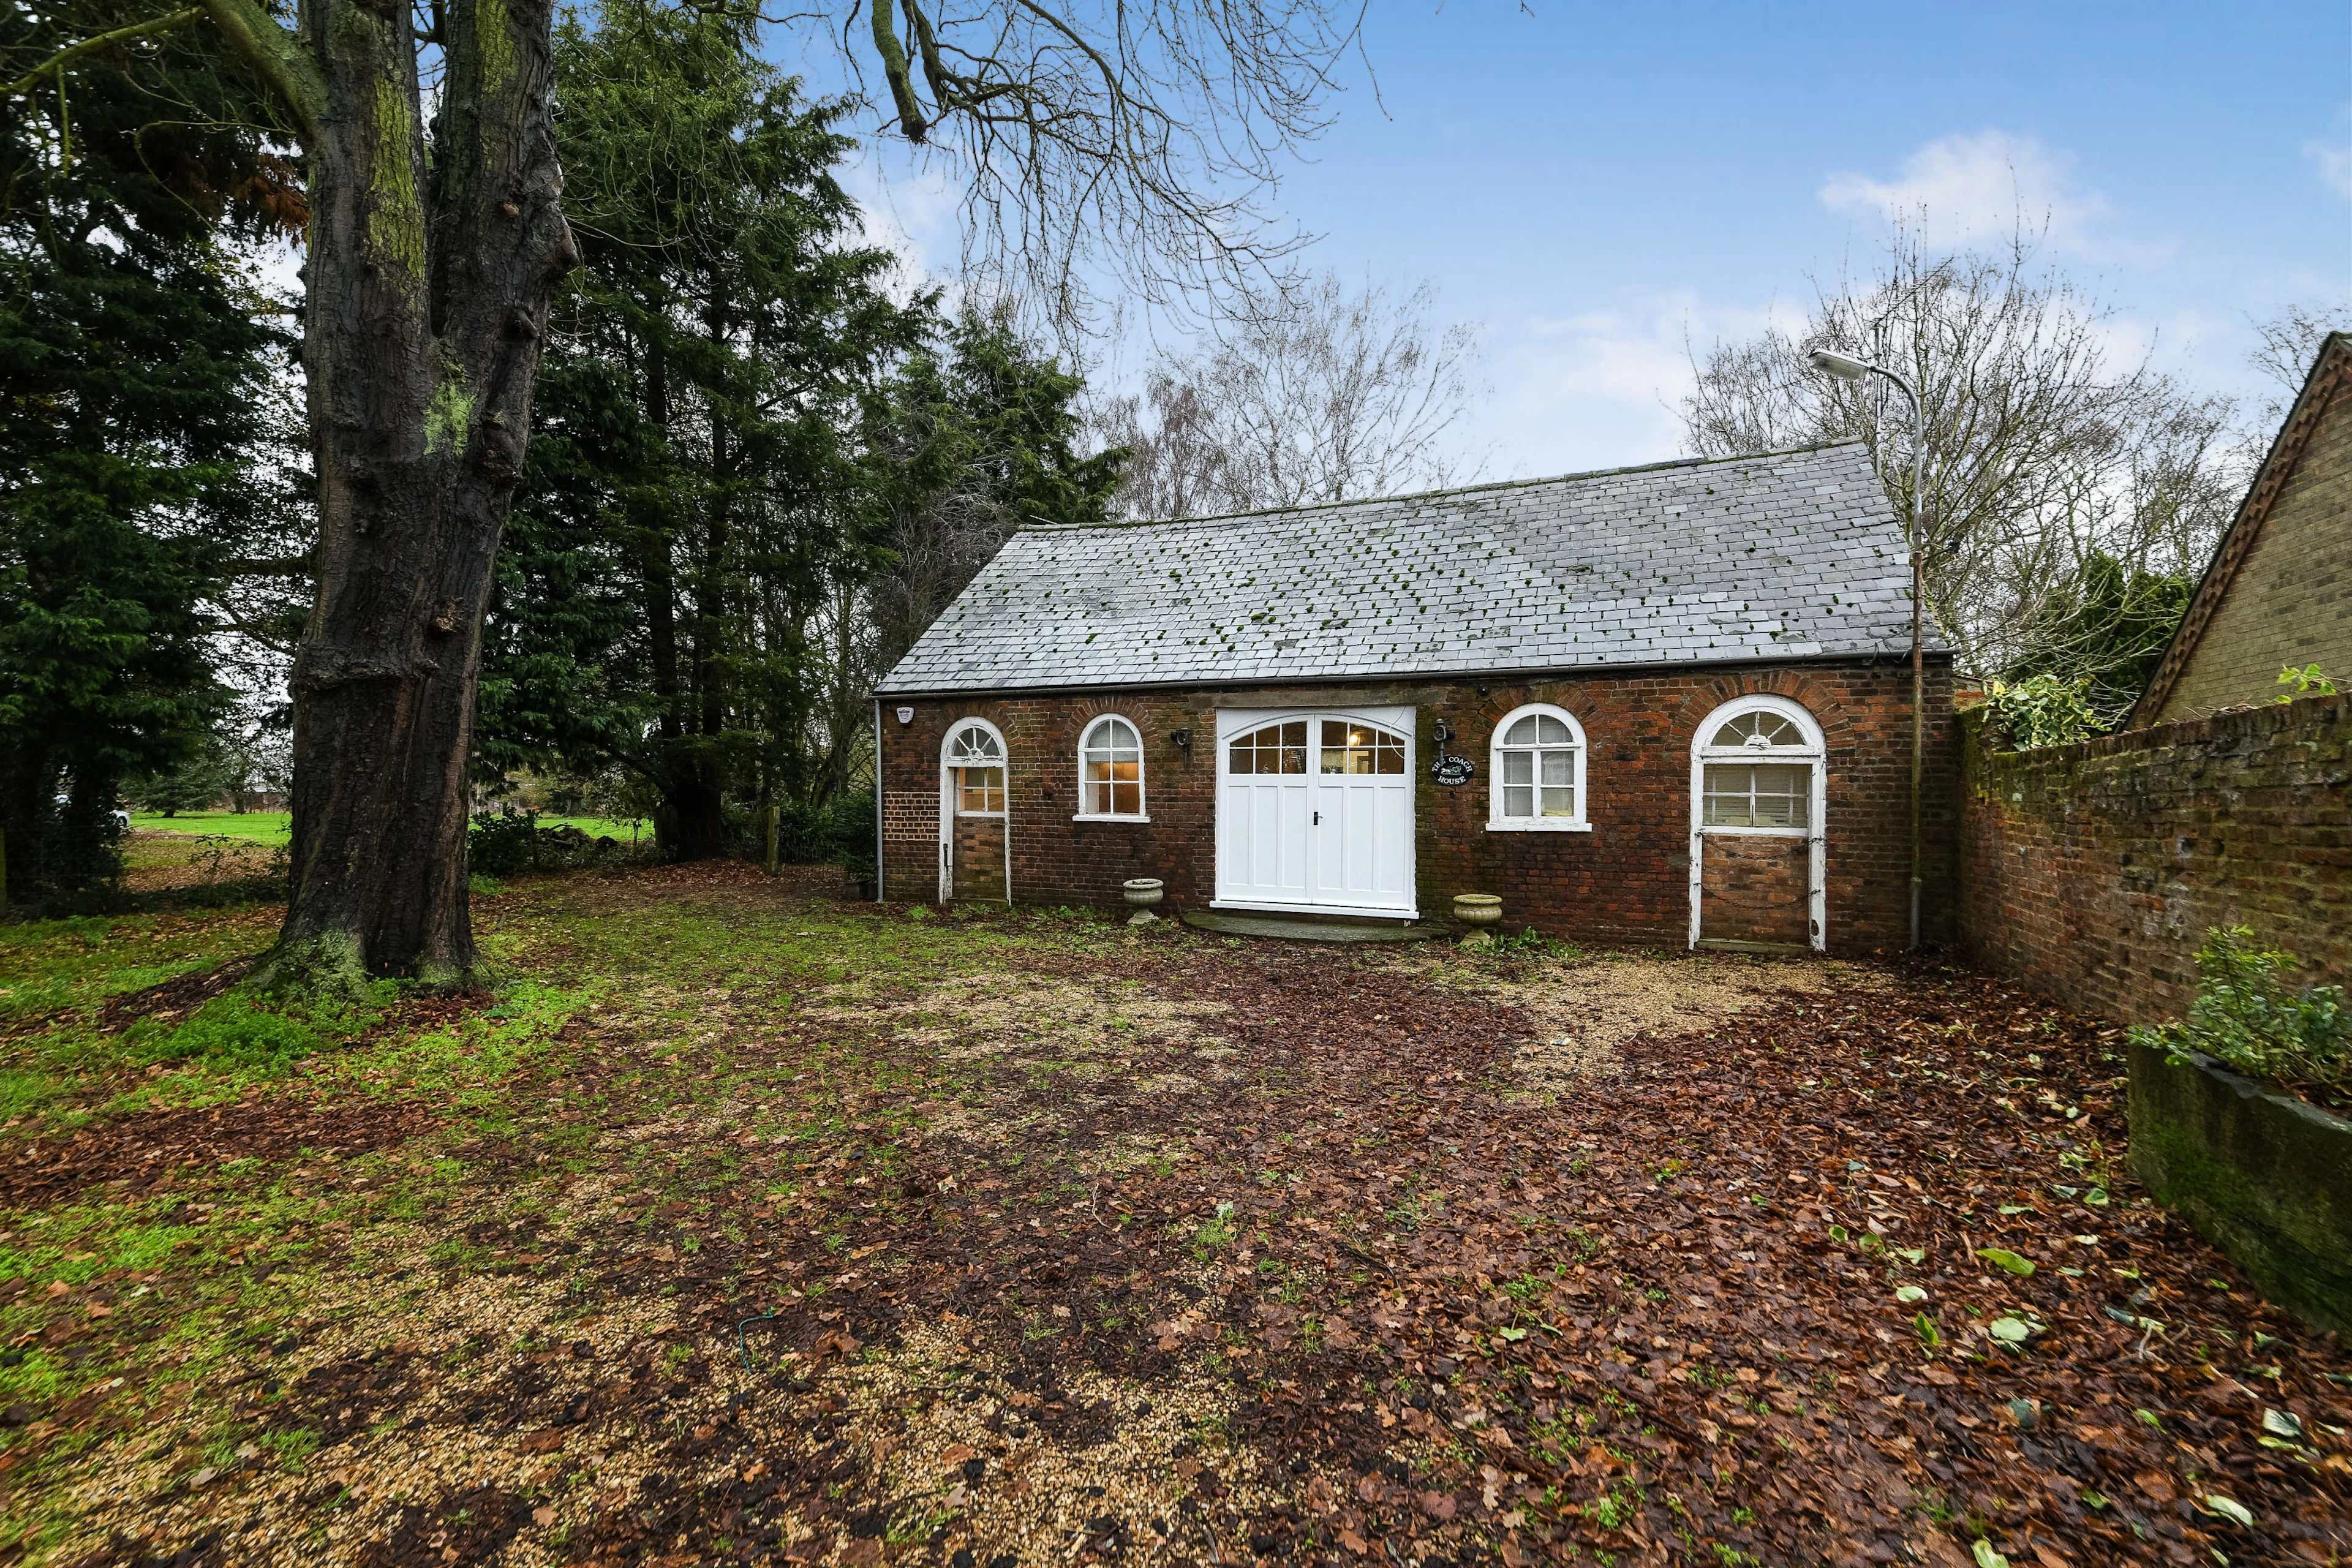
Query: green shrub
x,y
2043,710
2308,682
2249,1018
503,843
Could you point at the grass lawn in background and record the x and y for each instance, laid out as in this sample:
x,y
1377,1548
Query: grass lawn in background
x,y
264,827
269,827
749,1226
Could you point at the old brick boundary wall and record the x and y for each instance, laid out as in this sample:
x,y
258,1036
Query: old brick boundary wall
x,y
2092,871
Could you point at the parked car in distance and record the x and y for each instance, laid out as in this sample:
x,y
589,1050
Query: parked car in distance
x,y
118,816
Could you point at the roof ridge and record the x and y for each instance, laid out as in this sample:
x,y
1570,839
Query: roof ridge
x,y
1040,527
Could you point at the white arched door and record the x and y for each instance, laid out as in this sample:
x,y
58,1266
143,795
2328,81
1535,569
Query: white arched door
x,y
1759,858
1315,811
975,829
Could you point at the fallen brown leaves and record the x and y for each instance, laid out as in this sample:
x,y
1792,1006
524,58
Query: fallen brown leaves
x,y
1656,1319
1664,1312
138,1153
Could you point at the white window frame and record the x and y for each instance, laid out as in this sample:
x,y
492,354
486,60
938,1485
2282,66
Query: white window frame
x,y
1143,800
1816,829
1496,821
950,796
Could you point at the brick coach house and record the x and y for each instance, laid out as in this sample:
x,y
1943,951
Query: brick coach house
x,y
1663,704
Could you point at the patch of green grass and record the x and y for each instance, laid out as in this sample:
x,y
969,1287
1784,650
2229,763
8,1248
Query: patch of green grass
x,y
264,827
49,966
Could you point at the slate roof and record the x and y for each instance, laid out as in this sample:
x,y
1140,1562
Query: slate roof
x,y
1768,558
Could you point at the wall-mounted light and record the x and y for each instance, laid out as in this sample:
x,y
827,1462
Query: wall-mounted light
x,y
1443,733
1183,739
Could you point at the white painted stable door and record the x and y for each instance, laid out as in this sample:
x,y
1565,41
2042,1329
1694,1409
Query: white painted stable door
x,y
1315,811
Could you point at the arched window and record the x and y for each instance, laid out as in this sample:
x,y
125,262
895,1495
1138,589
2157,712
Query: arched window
x,y
975,762
1759,766
1535,777
1110,769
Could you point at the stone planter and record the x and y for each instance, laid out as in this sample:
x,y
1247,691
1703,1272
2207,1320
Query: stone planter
x,y
2261,1176
1144,891
1477,909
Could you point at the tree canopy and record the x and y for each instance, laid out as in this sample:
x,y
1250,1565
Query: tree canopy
x,y
745,444
140,446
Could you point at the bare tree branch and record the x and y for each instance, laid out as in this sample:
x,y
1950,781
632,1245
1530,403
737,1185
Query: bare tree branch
x,y
2043,455
1317,394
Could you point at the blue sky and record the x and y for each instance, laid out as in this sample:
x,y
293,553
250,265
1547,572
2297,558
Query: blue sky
x,y
1592,184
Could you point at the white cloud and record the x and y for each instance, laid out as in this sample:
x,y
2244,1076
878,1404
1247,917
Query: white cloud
x,y
910,212
1600,388
2334,162
1990,186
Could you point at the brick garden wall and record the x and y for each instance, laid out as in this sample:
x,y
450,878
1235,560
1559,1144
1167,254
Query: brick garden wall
x,y
1627,881
2092,871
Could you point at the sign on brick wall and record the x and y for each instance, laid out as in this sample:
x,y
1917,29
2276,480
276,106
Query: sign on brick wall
x,y
910,816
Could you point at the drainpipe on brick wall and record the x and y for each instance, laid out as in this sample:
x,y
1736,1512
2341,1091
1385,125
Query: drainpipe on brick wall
x,y
879,890
1918,653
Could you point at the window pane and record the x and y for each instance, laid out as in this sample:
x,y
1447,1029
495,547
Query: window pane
x,y
1766,729
1558,802
1334,732
1392,755
1550,730
1726,795
1519,767
1127,799
979,789
1518,801
1294,732
1522,733
1560,767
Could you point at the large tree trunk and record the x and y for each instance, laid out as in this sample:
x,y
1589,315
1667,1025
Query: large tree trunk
x,y
426,297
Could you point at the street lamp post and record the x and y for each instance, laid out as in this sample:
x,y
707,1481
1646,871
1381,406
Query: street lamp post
x,y
1846,367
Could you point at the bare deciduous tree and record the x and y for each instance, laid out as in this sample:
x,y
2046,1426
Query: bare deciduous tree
x,y
1315,393
2045,453
1135,139
2285,346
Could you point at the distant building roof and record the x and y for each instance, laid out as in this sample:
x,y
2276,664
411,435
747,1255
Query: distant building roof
x,y
2231,642
1767,558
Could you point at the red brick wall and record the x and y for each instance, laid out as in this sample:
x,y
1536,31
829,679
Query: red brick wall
x,y
2092,871
1625,881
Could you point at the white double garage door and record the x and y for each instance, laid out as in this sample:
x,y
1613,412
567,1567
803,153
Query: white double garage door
x,y
1315,810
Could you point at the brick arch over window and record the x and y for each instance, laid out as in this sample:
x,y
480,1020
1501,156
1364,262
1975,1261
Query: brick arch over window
x,y
1826,703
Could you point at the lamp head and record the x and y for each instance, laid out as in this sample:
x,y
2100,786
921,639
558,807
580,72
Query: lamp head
x,y
1846,367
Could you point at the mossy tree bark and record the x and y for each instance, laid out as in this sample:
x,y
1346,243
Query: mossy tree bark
x,y
429,286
